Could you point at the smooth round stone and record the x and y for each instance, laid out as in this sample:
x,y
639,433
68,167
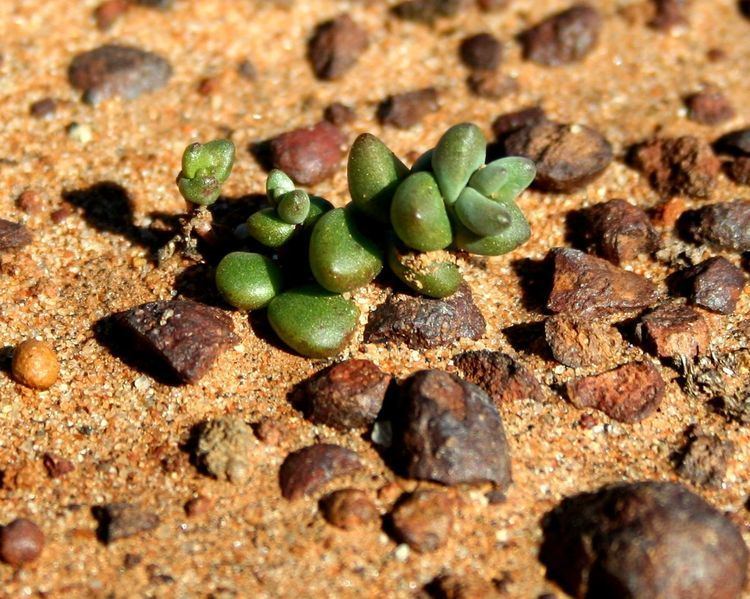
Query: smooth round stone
x,y
312,321
432,274
459,152
373,173
267,228
293,207
517,233
480,214
418,214
247,281
341,257
318,207
505,178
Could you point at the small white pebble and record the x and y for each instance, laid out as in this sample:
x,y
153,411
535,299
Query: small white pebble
x,y
402,552
79,133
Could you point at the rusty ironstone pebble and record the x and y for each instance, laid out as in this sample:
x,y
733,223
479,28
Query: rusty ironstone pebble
x,y
117,70
471,586
628,393
339,114
335,47
57,466
643,539
502,377
349,509
308,469
108,12
422,322
35,364
482,51
725,225
427,11
44,108
452,432
309,154
580,342
674,330
187,336
224,447
738,170
13,235
197,506
424,519
510,122
715,284
491,84
709,107
409,108
587,285
677,165
567,156
620,231
346,395
670,14
563,37
21,542
703,459
122,520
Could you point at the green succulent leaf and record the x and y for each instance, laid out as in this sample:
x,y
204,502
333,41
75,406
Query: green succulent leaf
x,y
247,281
418,214
504,179
293,207
373,172
460,151
318,207
267,228
205,167
433,274
480,214
515,234
277,184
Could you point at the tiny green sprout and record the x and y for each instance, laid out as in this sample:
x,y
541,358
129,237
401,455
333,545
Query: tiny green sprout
x,y
205,168
293,207
277,184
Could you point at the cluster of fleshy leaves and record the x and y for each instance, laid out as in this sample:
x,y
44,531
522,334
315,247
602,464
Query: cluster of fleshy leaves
x,y
409,219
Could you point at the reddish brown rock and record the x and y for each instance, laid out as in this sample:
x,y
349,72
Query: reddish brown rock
x,y
482,51
57,466
307,470
43,109
491,84
21,542
738,170
715,284
451,586
339,114
422,323
709,107
122,520
677,165
518,119
620,231
564,37
628,393
581,342
198,506
186,336
644,539
490,5
703,460
116,70
587,286
349,509
452,432
424,520
407,109
108,12
309,154
335,47
567,157
13,235
346,395
670,14
725,225
499,375
674,330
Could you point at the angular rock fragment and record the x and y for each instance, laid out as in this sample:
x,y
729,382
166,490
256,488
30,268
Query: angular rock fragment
x,y
409,108
670,14
349,509
309,154
620,231
510,122
738,170
715,284
307,470
725,225
13,235
503,378
122,520
424,519
565,37
674,330
224,447
581,342
482,51
709,107
335,47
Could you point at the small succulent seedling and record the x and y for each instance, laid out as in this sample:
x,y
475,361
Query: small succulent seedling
x,y
410,220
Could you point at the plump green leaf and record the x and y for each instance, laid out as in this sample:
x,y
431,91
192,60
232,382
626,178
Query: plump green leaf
x,y
267,228
505,178
480,214
418,214
247,281
293,207
434,274
460,151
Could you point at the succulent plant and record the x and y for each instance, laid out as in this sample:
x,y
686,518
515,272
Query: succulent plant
x,y
205,168
411,220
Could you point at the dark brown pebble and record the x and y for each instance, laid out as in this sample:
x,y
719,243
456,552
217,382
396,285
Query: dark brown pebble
x,y
581,342
738,170
503,378
197,506
491,84
677,165
620,231
674,330
709,107
131,560
715,284
587,285
335,47
122,520
736,143
453,433
13,235
42,109
309,154
30,201
308,469
725,225
670,14
57,466
115,70
187,336
21,542
644,539
703,459
628,393
208,85
422,323
339,114
346,395
518,119
60,214
427,11
567,157
424,519
482,51
563,37
108,12
407,109
246,69
349,509
471,586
